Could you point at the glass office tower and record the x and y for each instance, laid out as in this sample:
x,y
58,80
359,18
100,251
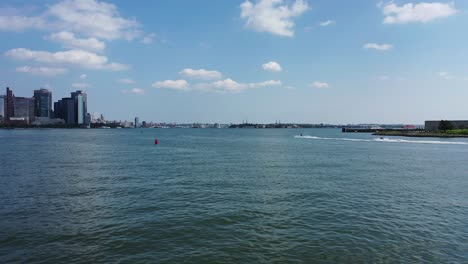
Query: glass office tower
x,y
81,106
43,103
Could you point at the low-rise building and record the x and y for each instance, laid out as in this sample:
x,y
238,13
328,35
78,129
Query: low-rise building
x,y
434,125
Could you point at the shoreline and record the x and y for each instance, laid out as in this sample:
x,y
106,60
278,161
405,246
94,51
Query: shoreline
x,y
421,134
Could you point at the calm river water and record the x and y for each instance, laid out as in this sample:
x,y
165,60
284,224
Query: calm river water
x,y
231,196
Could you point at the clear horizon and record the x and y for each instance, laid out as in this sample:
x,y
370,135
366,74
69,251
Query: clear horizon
x,y
382,62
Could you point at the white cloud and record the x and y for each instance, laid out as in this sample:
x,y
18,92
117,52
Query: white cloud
x,y
134,91
226,85
269,83
89,18
126,81
80,58
229,85
83,76
21,23
80,85
317,84
42,71
201,74
69,40
446,75
327,23
222,85
379,47
94,19
148,39
421,12
273,16
272,66
172,84
138,91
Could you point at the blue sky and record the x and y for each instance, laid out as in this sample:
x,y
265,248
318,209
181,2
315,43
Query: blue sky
x,y
226,61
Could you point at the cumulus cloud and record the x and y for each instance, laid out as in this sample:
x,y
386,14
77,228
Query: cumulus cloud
x,y
89,18
420,12
42,71
327,23
225,85
80,85
229,85
273,16
272,66
379,47
94,19
126,81
79,58
69,40
79,25
317,84
201,74
18,23
172,84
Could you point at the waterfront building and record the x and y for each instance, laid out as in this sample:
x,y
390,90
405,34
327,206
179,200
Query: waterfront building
x,y
43,103
137,122
81,104
43,121
2,108
9,103
23,110
87,120
65,109
57,108
432,126
69,110
74,109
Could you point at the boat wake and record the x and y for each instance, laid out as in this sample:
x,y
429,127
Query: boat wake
x,y
388,140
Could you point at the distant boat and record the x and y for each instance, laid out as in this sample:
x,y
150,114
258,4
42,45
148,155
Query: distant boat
x,y
105,127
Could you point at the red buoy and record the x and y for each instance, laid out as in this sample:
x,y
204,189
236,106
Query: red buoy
x,y
156,141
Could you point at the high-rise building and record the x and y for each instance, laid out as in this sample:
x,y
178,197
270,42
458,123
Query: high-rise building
x,y
24,109
72,109
58,109
43,103
65,109
137,122
2,106
9,105
81,104
69,110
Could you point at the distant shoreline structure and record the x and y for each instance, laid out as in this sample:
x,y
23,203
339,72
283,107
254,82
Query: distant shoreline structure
x,y
419,134
118,124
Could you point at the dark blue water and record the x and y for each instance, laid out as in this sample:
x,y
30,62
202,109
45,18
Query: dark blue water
x,y
231,196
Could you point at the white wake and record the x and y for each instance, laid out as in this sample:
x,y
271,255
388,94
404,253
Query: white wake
x,y
388,140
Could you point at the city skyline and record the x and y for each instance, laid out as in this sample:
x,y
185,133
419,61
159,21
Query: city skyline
x,y
295,61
